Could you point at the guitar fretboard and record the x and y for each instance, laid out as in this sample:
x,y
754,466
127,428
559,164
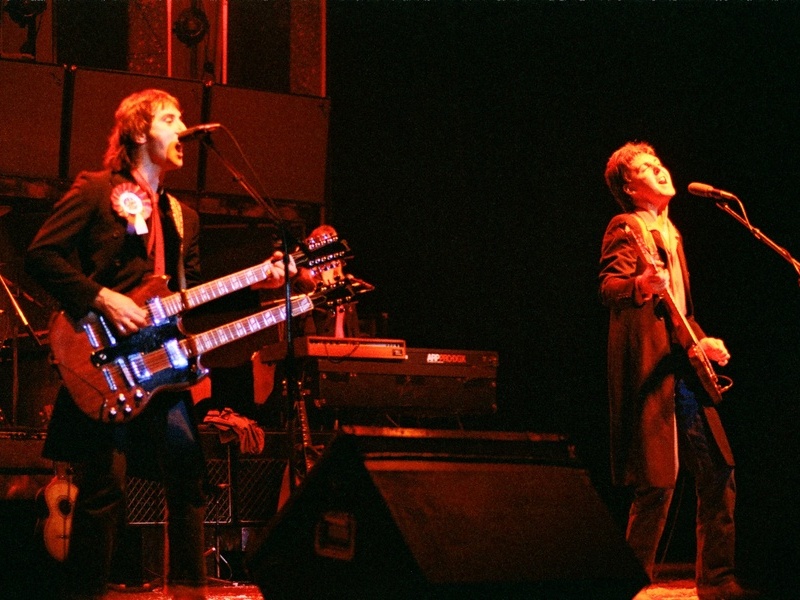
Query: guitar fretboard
x,y
174,303
224,334
321,251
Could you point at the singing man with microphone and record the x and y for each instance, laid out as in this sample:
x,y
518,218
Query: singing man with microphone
x,y
122,226
661,412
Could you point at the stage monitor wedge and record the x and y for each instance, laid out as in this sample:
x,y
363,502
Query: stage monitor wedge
x,y
410,513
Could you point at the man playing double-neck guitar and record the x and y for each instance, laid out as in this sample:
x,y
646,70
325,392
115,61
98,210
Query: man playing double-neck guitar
x,y
113,230
661,385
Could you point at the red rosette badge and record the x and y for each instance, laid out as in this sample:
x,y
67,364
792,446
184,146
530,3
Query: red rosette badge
x,y
133,204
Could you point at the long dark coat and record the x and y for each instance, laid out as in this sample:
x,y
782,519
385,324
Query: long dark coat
x,y
641,366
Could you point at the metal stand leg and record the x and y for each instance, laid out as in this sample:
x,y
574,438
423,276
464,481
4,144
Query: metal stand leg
x,y
215,549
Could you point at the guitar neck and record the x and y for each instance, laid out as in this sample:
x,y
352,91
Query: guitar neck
x,y
219,336
317,252
206,292
678,318
215,289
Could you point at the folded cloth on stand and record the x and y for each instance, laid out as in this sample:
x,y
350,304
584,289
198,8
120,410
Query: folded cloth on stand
x,y
232,426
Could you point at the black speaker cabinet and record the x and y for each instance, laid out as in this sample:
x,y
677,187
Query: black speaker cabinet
x,y
409,513
30,105
285,138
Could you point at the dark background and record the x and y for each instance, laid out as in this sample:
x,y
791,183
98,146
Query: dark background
x,y
467,148
466,153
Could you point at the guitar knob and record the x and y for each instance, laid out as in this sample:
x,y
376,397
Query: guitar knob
x,y
138,395
128,411
121,399
112,414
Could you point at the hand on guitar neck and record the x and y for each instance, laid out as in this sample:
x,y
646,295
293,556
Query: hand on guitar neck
x,y
653,281
128,316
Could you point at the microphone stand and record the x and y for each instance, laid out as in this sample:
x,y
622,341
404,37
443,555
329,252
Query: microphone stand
x,y
293,394
239,178
758,234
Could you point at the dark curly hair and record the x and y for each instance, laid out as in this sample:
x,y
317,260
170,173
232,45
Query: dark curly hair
x,y
617,170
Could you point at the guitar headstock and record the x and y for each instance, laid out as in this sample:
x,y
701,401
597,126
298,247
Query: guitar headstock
x,y
638,242
317,251
328,273
340,292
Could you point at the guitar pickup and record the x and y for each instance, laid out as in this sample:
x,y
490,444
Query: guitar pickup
x,y
92,335
140,369
112,339
112,385
126,372
177,357
157,312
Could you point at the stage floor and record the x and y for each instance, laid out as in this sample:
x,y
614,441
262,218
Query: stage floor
x,y
221,592
682,589
214,592
678,585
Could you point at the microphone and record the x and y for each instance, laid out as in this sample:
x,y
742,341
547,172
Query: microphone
x,y
197,131
702,189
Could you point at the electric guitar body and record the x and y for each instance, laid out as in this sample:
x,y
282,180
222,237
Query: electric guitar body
x,y
112,379
111,376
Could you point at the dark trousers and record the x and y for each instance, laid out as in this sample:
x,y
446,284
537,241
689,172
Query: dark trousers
x,y
100,511
715,490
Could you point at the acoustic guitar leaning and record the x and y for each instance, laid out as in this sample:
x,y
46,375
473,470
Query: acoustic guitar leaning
x,y
58,497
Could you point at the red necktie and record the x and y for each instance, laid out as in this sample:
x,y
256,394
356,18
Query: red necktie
x,y
155,238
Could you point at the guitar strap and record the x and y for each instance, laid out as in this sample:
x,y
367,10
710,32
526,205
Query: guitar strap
x,y
177,219
647,235
674,267
650,241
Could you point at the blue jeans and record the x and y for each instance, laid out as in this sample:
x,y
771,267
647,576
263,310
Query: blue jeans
x,y
100,512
